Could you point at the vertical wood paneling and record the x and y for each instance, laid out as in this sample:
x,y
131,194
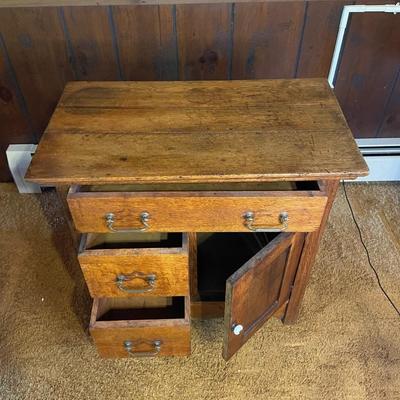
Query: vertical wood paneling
x,y
370,62
49,46
14,125
90,33
13,120
266,39
147,42
36,44
319,38
204,40
391,119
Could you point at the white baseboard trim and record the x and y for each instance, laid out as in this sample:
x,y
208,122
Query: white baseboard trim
x,y
382,157
19,157
382,168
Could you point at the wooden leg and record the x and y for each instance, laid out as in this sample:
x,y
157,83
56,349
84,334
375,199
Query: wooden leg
x,y
62,192
307,258
194,291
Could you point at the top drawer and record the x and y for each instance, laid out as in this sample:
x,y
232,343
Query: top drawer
x,y
290,206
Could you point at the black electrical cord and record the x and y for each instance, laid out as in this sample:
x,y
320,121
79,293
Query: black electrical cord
x,y
367,252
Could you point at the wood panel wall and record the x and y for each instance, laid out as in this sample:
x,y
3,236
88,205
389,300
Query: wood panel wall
x,y
43,48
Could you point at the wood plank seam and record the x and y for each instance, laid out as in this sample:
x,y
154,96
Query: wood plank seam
x,y
70,51
17,88
389,99
300,48
115,42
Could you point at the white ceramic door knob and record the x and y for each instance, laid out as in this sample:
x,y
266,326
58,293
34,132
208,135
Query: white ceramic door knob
x,y
237,329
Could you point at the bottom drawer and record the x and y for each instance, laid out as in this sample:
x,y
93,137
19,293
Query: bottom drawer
x,y
139,327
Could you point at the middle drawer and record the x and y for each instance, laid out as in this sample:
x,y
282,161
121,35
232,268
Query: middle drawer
x,y
135,264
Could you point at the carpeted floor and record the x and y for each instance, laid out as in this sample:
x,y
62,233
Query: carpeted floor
x,y
346,344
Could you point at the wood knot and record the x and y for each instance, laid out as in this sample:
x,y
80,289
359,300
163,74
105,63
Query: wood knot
x,y
5,94
209,60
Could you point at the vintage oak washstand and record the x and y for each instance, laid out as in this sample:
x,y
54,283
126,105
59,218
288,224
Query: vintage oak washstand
x,y
202,197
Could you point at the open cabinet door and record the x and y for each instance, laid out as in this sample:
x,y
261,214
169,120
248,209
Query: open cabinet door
x,y
259,288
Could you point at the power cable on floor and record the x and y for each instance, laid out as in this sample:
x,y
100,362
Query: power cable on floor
x,y
367,252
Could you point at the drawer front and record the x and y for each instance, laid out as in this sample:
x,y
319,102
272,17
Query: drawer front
x,y
197,212
163,332
143,341
136,272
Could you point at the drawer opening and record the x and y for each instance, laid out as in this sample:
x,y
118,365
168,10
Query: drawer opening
x,y
198,211
134,240
219,255
206,187
144,308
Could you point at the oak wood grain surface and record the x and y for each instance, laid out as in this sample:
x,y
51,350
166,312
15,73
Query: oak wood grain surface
x,y
175,340
264,282
216,309
109,336
193,282
197,211
307,258
207,309
211,131
170,266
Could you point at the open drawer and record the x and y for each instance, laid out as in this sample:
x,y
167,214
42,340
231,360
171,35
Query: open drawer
x,y
138,327
252,273
135,264
282,206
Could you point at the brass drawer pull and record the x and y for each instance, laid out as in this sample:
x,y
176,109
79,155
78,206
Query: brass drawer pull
x,y
249,219
129,346
144,219
150,279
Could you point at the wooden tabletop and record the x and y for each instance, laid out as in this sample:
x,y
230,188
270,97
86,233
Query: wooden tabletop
x,y
203,131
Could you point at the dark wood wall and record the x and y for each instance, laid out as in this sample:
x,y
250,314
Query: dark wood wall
x,y
43,48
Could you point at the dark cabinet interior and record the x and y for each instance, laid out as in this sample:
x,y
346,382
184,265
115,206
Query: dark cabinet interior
x,y
248,277
219,255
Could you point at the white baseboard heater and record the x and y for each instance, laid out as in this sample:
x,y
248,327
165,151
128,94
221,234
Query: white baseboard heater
x,y
19,157
382,157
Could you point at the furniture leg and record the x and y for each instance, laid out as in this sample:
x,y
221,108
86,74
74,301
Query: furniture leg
x,y
194,292
62,192
307,258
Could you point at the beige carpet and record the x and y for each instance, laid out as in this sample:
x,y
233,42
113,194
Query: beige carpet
x,y
346,344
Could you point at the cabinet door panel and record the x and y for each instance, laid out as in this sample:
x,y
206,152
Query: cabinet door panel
x,y
257,289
